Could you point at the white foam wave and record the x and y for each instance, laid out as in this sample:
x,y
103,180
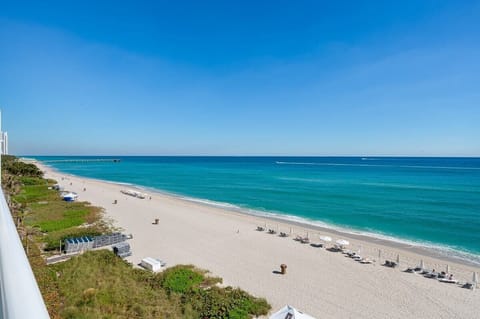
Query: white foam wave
x,y
377,165
443,250
121,183
210,202
331,164
295,179
440,167
406,186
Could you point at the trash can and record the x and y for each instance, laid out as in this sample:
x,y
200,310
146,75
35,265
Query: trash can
x,y
283,269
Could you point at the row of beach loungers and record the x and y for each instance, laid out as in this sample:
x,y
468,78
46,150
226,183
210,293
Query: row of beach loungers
x,y
432,274
272,231
441,276
355,256
306,240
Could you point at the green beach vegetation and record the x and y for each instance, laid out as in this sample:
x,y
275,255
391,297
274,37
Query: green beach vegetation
x,y
98,284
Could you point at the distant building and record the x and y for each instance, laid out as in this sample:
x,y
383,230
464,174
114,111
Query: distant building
x,y
4,143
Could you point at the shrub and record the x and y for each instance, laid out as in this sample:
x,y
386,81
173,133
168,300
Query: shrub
x,y
228,303
181,279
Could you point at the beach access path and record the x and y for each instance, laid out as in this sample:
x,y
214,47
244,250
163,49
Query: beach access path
x,y
318,282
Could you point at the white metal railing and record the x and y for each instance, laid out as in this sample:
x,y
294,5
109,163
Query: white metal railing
x,y
20,297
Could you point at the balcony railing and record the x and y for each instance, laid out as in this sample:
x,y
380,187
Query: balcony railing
x,y
20,297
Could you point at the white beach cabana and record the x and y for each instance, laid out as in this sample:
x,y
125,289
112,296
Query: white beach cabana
x,y
288,312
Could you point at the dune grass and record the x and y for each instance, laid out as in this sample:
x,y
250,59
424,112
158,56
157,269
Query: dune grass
x,y
42,208
100,285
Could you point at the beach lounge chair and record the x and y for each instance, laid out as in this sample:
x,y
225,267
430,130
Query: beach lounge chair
x,y
448,281
298,238
366,261
260,228
283,234
350,254
272,231
432,275
305,240
390,264
468,285
410,270
334,249
442,275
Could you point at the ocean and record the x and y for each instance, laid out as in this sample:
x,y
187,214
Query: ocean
x,y
432,202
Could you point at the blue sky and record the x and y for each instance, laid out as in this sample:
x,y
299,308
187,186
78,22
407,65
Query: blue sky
x,y
241,77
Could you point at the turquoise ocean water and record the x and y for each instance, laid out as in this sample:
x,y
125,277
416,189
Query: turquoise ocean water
x,y
428,201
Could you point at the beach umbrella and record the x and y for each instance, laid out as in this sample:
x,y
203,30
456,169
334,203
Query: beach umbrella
x,y
379,254
422,264
474,280
398,259
326,238
448,269
359,249
342,242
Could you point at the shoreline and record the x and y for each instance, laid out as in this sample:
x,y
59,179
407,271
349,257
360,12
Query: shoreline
x,y
436,251
318,282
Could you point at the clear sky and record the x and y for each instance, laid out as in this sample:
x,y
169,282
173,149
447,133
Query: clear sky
x,y
241,77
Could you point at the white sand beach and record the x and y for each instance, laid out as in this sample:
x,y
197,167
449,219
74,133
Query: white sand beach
x,y
321,283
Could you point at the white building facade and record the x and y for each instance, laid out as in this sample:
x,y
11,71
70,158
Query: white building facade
x,y
4,143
